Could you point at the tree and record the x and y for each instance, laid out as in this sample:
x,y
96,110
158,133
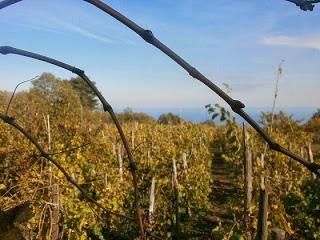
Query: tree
x,y
128,115
55,90
58,99
313,126
169,118
87,96
316,114
47,86
280,122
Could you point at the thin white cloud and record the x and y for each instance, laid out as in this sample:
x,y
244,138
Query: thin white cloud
x,y
312,42
82,31
40,21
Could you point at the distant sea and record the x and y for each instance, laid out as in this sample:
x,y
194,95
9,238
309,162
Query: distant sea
x,y
198,115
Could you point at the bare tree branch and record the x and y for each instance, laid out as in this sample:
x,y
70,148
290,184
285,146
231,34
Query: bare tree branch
x,y
14,92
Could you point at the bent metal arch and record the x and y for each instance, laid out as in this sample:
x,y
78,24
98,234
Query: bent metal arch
x,y
235,105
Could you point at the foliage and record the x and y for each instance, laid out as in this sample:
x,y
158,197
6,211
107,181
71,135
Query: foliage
x,y
304,205
87,96
89,150
313,126
282,174
218,111
87,145
169,118
316,114
129,116
229,146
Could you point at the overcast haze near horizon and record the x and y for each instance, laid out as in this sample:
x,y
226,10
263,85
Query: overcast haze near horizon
x,y
239,43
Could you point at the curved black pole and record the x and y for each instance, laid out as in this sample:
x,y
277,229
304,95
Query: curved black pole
x,y
7,3
305,5
235,105
107,108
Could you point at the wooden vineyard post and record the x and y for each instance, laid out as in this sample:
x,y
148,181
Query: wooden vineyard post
x,y
73,177
302,152
247,187
55,212
114,149
105,180
262,231
105,177
152,199
81,116
132,139
291,169
148,157
193,150
136,126
54,189
185,170
176,194
290,160
6,171
185,163
262,179
310,157
278,234
120,163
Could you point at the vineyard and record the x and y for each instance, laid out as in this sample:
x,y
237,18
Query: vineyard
x,y
177,167
72,168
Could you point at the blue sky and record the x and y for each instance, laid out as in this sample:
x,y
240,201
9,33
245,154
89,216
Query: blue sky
x,y
238,42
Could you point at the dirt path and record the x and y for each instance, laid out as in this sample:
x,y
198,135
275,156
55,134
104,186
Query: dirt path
x,y
225,191
225,194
